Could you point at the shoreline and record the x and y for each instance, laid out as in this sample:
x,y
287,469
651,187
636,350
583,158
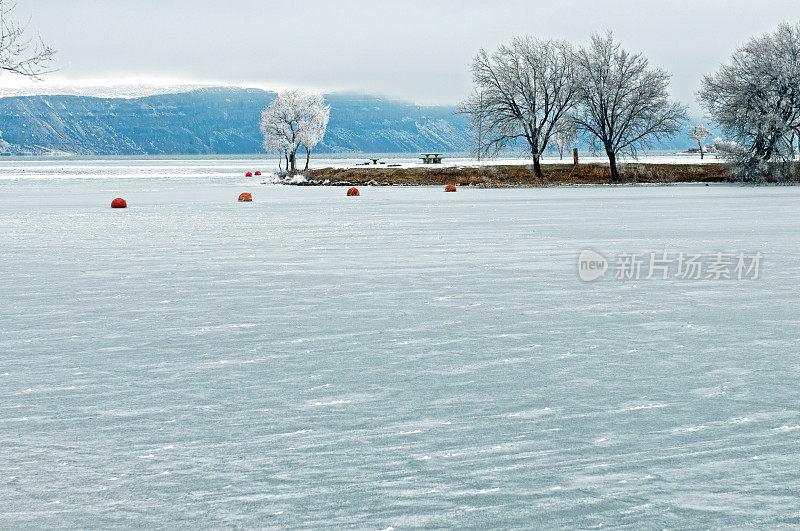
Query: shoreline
x,y
513,176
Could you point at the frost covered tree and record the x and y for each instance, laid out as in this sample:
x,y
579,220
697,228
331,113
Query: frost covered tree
x,y
19,53
523,92
700,134
276,141
294,119
755,99
624,104
313,129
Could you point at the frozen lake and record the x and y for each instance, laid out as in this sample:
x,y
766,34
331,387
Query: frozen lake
x,y
403,359
232,166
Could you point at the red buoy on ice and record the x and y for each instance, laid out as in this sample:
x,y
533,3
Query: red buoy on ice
x,y
353,192
450,188
119,203
248,174
245,197
258,173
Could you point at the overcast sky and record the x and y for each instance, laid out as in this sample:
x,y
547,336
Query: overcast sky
x,y
411,49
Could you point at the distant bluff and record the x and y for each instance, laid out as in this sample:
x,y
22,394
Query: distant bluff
x,y
215,121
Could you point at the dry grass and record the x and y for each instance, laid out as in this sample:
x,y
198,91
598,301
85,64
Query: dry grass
x,y
510,176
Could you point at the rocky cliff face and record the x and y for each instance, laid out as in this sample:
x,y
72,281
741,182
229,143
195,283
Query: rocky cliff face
x,y
215,121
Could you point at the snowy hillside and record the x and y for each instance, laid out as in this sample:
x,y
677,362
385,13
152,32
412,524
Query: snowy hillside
x,y
219,120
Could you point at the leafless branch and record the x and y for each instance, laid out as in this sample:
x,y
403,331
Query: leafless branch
x,y
19,53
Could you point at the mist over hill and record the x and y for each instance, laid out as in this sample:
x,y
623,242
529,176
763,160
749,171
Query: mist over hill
x,y
221,120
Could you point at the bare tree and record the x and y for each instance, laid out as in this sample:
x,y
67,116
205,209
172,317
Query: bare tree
x,y
476,124
755,99
294,119
523,91
624,104
19,53
700,134
565,136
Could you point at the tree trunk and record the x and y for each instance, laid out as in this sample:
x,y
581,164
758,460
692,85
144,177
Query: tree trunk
x,y
700,145
293,161
308,158
612,162
537,168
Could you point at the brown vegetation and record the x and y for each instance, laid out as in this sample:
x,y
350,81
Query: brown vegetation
x,y
511,176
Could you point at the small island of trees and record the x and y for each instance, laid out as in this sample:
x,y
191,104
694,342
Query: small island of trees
x,y
544,93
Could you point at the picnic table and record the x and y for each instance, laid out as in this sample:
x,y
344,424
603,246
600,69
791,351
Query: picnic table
x,y
431,158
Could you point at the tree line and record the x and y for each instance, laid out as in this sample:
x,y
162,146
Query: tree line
x,y
543,93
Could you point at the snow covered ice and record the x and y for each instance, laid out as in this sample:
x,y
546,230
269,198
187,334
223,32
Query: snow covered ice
x,y
407,358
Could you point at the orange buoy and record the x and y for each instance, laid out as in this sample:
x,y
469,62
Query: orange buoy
x,y
119,203
450,188
248,174
353,192
245,197
258,173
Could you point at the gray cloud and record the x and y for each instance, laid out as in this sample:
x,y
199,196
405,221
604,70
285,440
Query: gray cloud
x,y
412,49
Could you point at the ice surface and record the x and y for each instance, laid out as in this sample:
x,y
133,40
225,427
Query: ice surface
x,y
236,166
405,358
